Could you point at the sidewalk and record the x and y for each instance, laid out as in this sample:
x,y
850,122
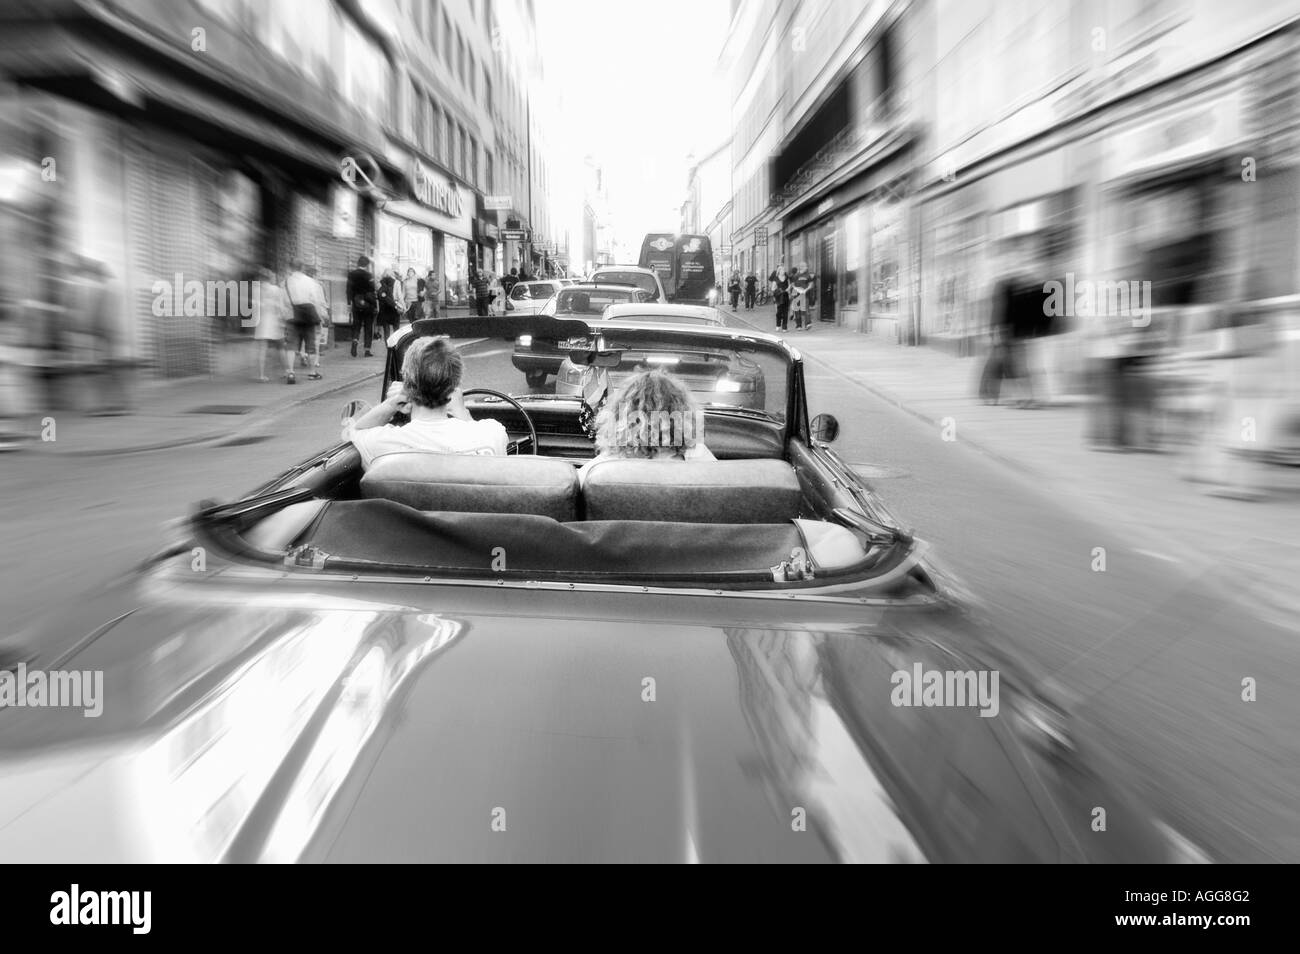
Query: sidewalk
x,y
1142,494
200,410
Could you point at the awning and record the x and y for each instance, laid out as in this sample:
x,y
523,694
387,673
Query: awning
x,y
415,212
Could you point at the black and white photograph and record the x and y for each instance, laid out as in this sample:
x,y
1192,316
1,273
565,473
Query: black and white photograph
x,y
624,432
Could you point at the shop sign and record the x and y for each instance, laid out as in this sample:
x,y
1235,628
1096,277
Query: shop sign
x,y
438,194
498,203
514,235
1187,134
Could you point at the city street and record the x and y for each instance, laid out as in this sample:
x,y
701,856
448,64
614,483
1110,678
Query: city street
x,y
1149,655
977,526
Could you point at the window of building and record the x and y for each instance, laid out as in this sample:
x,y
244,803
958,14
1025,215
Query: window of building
x,y
448,50
430,140
487,91
419,131
453,146
473,160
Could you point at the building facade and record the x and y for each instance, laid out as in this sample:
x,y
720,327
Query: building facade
x,y
908,152
200,139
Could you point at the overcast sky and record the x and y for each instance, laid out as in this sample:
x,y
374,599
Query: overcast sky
x,y
638,92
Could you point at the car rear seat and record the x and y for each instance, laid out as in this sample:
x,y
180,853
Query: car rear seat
x,y
724,491
475,484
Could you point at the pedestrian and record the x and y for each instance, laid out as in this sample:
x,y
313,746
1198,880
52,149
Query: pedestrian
x,y
412,289
481,288
432,293
272,315
780,281
508,282
362,302
733,289
751,289
307,315
496,295
390,315
801,285
1019,307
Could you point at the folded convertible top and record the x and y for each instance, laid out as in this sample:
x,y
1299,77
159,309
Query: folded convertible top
x,y
384,532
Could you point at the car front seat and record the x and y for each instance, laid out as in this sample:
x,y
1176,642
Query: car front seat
x,y
475,484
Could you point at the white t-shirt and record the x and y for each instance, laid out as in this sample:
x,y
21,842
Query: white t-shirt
x,y
450,435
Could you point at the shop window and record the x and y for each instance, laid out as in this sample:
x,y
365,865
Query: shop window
x,y
886,234
854,233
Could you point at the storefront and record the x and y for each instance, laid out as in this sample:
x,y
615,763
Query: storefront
x,y
432,229
1176,203
853,237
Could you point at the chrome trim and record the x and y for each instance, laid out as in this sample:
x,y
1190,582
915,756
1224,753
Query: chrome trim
x,y
821,594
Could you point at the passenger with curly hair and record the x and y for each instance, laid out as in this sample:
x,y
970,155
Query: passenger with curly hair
x,y
652,417
430,393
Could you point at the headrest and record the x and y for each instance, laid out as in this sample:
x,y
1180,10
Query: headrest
x,y
475,483
724,491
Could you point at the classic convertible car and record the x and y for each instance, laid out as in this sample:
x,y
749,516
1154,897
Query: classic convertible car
x,y
477,658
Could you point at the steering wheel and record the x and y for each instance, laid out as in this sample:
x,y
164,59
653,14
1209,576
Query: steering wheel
x,y
514,447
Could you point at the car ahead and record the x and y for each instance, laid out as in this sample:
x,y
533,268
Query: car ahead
x,y
538,358
747,659
647,279
529,297
715,375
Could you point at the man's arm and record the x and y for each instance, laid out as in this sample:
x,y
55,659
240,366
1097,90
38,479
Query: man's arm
x,y
395,402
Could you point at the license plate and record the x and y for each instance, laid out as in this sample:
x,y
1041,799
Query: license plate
x,y
576,344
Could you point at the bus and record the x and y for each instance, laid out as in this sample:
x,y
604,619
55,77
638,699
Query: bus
x,y
684,263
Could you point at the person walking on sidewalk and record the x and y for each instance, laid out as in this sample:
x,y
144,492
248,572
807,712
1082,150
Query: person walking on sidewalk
x,y
751,290
271,315
800,286
481,287
389,314
733,290
362,301
307,314
412,292
781,295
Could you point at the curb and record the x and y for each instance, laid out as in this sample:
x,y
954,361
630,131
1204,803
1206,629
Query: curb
x,y
258,419
901,403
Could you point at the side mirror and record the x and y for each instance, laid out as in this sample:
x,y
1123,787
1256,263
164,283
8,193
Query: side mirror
x,y
825,428
353,410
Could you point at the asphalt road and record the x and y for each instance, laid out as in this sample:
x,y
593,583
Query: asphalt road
x,y
1151,653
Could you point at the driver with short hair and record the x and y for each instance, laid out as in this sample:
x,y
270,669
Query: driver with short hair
x,y
430,393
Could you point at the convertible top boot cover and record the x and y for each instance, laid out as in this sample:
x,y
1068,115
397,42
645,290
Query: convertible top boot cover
x,y
384,532
724,491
